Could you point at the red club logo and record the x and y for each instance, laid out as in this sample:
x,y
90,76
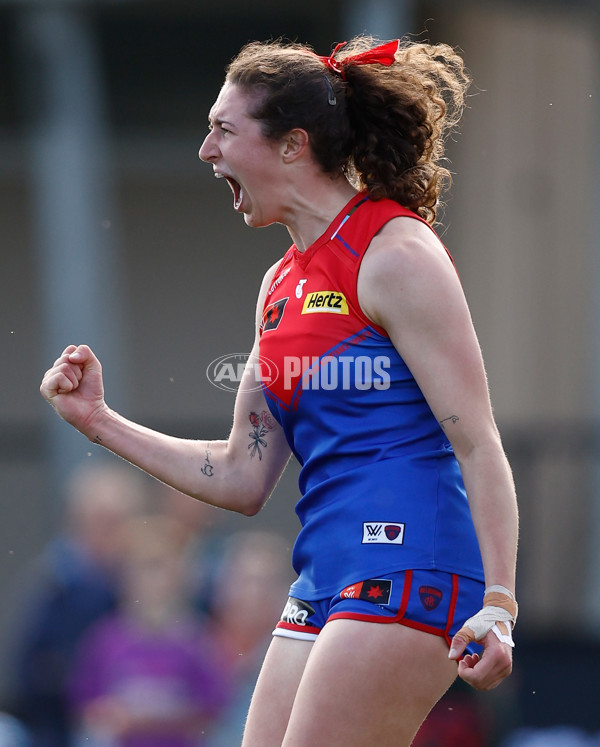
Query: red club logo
x,y
272,315
392,531
430,597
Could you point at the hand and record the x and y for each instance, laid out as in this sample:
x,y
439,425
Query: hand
x,y
73,386
488,670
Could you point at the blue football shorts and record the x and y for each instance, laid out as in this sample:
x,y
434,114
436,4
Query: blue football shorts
x,y
432,601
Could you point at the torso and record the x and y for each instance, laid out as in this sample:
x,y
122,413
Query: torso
x,y
381,488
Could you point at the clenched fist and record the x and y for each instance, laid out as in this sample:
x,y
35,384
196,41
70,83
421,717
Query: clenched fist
x,y
74,387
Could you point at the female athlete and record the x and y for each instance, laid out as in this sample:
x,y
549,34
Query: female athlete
x,y
407,549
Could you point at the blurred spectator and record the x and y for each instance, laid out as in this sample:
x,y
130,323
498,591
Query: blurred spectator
x,y
250,591
552,736
205,539
12,732
148,676
71,586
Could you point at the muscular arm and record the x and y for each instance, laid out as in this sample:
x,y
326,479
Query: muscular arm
x,y
408,285
237,474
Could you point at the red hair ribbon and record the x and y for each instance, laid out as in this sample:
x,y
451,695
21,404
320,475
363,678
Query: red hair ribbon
x,y
384,54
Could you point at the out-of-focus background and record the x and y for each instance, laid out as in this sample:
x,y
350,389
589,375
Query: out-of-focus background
x,y
113,233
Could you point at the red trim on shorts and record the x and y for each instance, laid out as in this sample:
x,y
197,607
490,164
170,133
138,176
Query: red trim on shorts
x,y
361,617
399,618
405,595
298,628
451,608
421,626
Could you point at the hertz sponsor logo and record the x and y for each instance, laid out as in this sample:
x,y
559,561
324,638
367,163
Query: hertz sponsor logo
x,y
328,301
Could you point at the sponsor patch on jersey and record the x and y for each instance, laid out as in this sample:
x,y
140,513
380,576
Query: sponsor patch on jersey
x,y
376,590
272,315
296,612
430,597
382,533
277,281
325,301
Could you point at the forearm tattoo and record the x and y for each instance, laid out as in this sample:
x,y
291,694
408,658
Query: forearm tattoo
x,y
453,419
261,425
208,470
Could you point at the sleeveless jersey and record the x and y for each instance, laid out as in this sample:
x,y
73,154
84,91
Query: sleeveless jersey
x,y
381,489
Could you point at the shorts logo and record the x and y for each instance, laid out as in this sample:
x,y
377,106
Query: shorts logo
x,y
272,315
327,301
430,597
382,533
377,590
296,612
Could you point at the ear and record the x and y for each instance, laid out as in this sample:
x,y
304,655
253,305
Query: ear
x,y
294,145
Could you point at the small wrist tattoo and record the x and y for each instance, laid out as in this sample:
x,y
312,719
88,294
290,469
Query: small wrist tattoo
x,y
453,418
207,469
97,439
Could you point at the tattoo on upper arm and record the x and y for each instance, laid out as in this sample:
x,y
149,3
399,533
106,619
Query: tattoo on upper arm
x,y
261,425
453,418
208,468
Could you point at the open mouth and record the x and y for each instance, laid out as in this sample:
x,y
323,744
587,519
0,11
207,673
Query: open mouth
x,y
235,188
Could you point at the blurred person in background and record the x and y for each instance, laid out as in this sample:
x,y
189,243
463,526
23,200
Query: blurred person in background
x,y
148,675
252,578
72,585
205,536
12,732
407,550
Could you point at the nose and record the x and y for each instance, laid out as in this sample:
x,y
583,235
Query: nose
x,y
208,150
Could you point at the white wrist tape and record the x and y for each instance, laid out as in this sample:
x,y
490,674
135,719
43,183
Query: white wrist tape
x,y
503,637
487,618
501,590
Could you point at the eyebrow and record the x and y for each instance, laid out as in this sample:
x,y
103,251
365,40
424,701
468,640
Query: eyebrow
x,y
219,121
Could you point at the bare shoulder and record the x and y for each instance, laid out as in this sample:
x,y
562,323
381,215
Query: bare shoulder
x,y
406,265
267,281
405,244
268,278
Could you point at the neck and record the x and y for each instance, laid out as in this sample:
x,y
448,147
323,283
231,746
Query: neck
x,y
314,206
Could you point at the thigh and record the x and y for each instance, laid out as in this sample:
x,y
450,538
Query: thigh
x,y
367,683
275,691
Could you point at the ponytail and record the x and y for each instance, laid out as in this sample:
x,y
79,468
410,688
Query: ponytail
x,y
401,117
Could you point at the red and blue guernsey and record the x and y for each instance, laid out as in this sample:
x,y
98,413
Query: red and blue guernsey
x,y
381,487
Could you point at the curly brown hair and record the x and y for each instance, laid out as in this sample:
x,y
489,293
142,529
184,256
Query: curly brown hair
x,y
384,127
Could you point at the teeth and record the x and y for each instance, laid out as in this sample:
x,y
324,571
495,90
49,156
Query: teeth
x,y
238,202
218,176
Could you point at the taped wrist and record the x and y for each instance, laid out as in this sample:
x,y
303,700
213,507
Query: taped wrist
x,y
499,614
